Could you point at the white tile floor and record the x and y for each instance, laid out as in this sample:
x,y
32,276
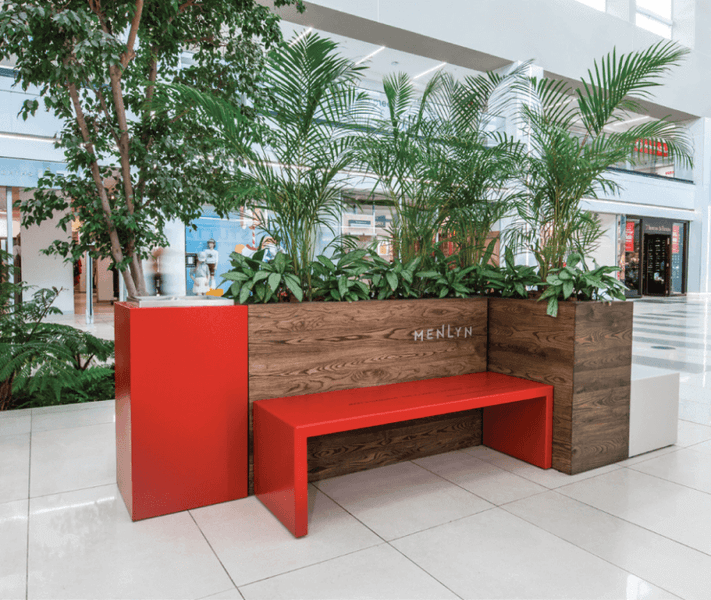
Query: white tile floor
x,y
470,524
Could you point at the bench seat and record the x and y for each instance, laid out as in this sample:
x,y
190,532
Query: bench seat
x,y
518,420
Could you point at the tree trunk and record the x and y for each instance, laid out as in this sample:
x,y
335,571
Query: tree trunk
x,y
6,393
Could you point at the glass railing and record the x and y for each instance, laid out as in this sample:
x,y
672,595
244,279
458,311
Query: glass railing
x,y
656,164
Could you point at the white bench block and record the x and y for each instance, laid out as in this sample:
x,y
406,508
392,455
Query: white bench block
x,y
654,409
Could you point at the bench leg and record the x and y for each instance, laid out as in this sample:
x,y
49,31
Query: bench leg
x,y
522,429
280,470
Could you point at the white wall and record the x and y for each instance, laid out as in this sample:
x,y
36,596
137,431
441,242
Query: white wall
x,y
562,36
606,253
47,271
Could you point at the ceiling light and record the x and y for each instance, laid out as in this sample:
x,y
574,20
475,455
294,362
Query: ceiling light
x,y
302,34
27,138
371,55
429,71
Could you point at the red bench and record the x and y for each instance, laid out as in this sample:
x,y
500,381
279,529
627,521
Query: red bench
x,y
518,420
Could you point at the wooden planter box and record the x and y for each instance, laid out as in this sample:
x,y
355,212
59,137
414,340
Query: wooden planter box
x,y
322,346
586,353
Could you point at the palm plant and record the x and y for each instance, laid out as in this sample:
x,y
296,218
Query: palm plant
x,y
405,153
573,146
480,162
295,176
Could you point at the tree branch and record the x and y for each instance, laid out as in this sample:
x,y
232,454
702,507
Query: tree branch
x,y
105,108
127,56
185,5
116,251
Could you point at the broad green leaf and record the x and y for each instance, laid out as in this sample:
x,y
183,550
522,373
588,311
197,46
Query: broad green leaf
x,y
326,262
274,281
568,288
293,285
392,280
552,309
342,286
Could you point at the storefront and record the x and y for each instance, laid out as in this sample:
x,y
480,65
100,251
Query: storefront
x,y
655,256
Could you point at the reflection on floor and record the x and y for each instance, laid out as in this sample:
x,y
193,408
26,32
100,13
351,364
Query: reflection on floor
x,y
103,325
469,524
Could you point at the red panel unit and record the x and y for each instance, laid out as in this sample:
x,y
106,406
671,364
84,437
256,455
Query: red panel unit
x,y
518,417
181,406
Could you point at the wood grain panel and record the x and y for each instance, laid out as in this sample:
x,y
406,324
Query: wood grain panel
x,y
525,342
351,451
315,347
586,353
601,434
603,366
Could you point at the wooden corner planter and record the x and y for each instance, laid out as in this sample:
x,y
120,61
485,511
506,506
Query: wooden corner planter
x,y
586,353
323,346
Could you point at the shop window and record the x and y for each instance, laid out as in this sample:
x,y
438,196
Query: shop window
x,y
631,262
678,253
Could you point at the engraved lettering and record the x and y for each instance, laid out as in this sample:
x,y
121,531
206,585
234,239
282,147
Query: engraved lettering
x,y
467,332
458,330
429,334
449,331
440,332
418,334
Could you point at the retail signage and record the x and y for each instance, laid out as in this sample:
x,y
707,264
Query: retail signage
x,y
629,237
675,239
661,226
651,147
443,331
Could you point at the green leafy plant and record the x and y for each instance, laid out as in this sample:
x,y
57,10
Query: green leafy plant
x,y
405,151
571,281
573,146
511,280
133,165
255,280
296,175
479,162
340,277
48,363
446,279
393,279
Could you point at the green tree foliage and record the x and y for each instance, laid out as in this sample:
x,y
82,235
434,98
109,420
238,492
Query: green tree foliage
x,y
297,172
42,363
573,146
135,160
405,152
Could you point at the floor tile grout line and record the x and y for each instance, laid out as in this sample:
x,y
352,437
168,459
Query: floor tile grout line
x,y
319,562
444,585
209,545
666,537
219,593
590,552
557,486
320,491
29,484
89,487
407,535
465,489
688,487
74,427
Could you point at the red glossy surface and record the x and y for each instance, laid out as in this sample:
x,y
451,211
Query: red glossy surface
x,y
518,422
181,407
